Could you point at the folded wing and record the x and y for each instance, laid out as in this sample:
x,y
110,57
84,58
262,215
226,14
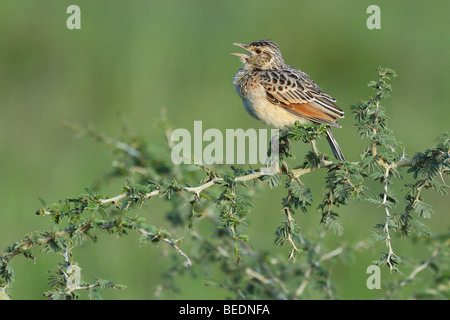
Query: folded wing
x,y
295,91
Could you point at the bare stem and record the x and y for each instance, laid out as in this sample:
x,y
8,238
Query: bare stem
x,y
386,226
421,267
167,240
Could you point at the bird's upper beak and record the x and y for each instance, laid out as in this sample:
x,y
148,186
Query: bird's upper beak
x,y
241,55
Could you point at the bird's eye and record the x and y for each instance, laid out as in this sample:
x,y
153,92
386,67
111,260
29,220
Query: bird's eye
x,y
258,51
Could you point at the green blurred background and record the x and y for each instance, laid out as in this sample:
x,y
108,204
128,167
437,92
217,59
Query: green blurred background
x,y
132,58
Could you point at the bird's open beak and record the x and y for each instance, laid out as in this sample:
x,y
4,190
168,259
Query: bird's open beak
x,y
241,55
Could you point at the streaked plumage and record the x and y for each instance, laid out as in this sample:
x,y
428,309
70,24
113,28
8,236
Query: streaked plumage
x,y
279,95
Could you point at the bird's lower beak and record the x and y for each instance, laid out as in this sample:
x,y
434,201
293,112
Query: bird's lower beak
x,y
241,55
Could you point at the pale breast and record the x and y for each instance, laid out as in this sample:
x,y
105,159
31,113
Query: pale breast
x,y
256,104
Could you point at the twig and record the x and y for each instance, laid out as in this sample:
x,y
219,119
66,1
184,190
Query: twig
x,y
403,162
196,190
315,264
304,283
314,148
167,240
421,267
388,216
113,199
332,254
301,171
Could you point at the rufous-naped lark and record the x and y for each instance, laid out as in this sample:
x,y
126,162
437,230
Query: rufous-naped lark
x,y
279,95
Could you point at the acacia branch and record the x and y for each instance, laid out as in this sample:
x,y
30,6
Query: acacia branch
x,y
388,217
90,286
155,236
403,162
421,267
28,243
197,190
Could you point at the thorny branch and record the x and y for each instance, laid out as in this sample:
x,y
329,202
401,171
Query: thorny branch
x,y
261,272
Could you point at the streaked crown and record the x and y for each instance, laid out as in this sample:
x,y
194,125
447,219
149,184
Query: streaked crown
x,y
263,55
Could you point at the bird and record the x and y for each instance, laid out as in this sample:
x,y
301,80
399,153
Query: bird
x,y
279,95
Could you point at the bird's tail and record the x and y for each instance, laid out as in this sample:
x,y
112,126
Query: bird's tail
x,y
334,145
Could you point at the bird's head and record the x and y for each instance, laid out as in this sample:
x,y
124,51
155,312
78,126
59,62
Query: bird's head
x,y
263,55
